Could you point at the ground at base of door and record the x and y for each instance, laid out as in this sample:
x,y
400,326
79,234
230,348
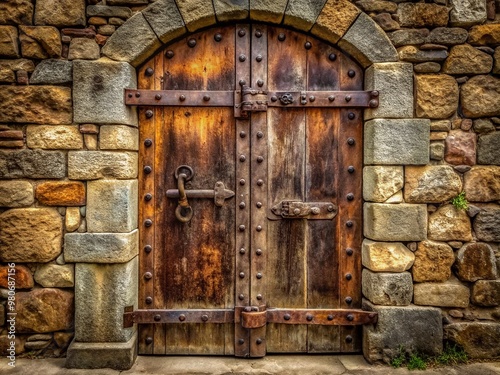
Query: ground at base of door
x,y
272,364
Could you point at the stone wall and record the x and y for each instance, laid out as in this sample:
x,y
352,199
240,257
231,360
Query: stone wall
x,y
68,164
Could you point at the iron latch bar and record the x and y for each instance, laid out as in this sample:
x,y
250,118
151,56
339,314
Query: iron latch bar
x,y
177,316
290,209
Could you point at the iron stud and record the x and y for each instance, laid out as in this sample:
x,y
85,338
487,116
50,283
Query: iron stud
x,y
149,113
148,142
182,317
241,341
350,141
149,72
242,205
217,37
260,83
206,98
330,208
331,98
349,223
157,318
137,94
260,182
348,339
312,98
130,95
258,252
169,54
374,94
182,98
241,297
330,317
373,103
332,57
242,58
308,45
148,249
259,275
258,58
348,300
148,223
259,204
350,169
149,340
351,73
148,275
148,169
243,134
241,228
241,33
348,98
149,300
242,182
349,251
242,82
258,33
260,134
309,317
350,317
274,98
259,296
258,341
204,318
158,96
348,276
281,37
259,228
260,159
351,116
242,251
350,196
286,316
243,158
192,42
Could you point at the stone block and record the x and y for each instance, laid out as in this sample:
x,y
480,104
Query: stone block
x,y
451,293
118,356
61,193
55,276
50,137
395,222
101,247
101,294
422,15
496,57
417,329
478,339
447,36
486,293
408,37
449,224
392,141
465,13
465,59
8,42
231,10
133,42
267,10
108,11
488,34
476,261
52,72
16,193
44,310
83,49
394,82
386,256
116,137
30,235
367,42
72,220
436,151
381,182
482,184
390,289
60,13
436,96
165,20
196,14
112,206
23,277
40,42
488,151
433,261
335,19
480,96
32,164
487,224
98,92
414,55
302,15
460,148
36,104
431,184
16,12
91,165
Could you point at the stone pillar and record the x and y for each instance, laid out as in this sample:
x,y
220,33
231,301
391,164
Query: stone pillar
x,y
106,254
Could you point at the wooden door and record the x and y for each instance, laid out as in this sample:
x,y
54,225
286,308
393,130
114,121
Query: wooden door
x,y
273,266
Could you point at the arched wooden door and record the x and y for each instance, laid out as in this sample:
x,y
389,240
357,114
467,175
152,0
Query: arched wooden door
x,y
262,128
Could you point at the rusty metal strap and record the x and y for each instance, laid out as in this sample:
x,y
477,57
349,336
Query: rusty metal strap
x,y
308,316
292,99
177,316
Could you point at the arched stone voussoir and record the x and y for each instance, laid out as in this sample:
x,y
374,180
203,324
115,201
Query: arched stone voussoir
x,y
133,42
334,20
231,10
368,43
301,14
196,14
271,11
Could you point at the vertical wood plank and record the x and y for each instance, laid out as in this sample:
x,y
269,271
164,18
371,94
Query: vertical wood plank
x,y
322,170
287,279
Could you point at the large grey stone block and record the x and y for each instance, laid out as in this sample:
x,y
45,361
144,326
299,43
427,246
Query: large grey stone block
x,y
267,10
231,10
91,165
466,13
391,141
112,206
196,14
98,92
367,42
451,293
394,81
391,289
133,42
100,247
102,291
302,14
52,72
416,329
381,182
165,20
395,222
32,164
118,356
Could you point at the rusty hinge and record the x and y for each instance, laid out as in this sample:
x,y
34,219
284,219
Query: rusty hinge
x,y
290,209
249,100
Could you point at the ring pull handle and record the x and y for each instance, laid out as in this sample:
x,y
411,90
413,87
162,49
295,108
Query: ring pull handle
x,y
183,212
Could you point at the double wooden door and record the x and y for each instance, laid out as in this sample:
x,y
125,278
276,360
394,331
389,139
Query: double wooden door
x,y
262,252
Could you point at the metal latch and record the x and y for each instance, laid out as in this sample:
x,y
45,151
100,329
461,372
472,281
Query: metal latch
x,y
249,100
290,209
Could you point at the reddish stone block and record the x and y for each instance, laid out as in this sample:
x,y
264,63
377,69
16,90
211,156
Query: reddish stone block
x,y
61,193
460,148
22,277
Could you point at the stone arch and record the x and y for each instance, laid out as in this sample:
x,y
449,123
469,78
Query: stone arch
x,y
335,21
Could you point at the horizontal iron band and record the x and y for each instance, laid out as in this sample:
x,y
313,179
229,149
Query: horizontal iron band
x,y
294,99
